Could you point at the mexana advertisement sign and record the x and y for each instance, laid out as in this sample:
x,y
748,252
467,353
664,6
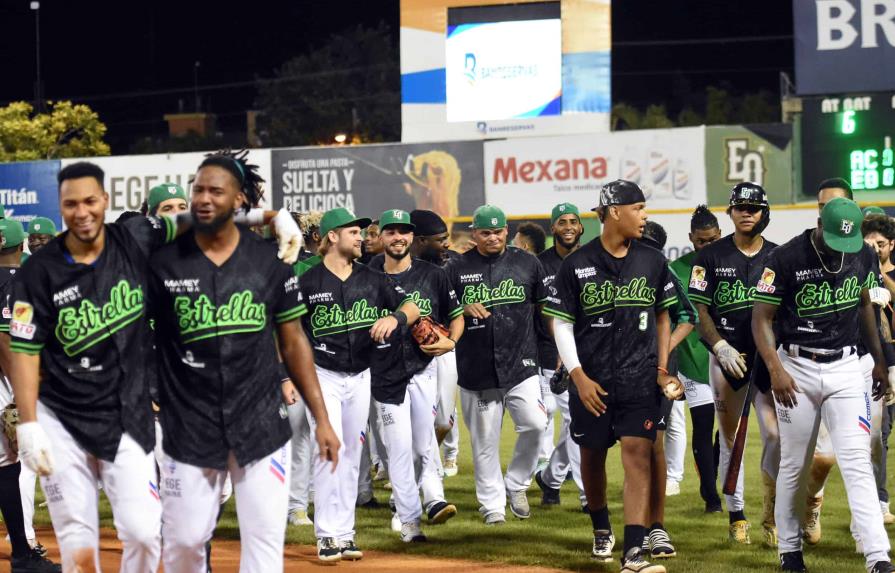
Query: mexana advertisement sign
x,y
530,176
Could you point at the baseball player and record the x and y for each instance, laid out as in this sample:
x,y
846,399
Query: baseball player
x,y
565,223
693,368
610,309
41,231
500,288
404,380
720,287
166,199
349,307
219,294
824,458
817,287
16,484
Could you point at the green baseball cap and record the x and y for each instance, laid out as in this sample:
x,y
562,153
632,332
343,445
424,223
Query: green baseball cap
x,y
395,217
341,217
841,219
41,226
13,233
164,192
563,209
488,217
874,210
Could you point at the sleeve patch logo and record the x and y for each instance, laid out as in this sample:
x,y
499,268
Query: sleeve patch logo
x,y
766,283
697,278
21,324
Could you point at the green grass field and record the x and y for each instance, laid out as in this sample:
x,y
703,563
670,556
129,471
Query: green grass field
x,y
560,537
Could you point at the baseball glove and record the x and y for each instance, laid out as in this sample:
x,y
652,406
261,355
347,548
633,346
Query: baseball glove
x,y
559,382
426,331
10,419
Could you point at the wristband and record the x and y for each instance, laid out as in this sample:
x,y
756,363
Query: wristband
x,y
662,370
400,317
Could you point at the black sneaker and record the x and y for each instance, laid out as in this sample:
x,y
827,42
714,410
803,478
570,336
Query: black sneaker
x,y
440,512
792,561
350,550
660,544
328,550
549,495
39,549
713,506
370,504
34,563
604,541
882,567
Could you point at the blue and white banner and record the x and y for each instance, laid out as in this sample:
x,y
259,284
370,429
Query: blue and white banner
x,y
29,190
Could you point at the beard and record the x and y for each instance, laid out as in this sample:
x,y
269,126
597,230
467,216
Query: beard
x,y
558,239
397,256
212,226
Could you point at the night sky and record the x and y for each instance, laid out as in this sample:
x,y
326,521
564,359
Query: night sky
x,y
127,59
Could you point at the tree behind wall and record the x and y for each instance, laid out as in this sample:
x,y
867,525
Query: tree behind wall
x,y
66,130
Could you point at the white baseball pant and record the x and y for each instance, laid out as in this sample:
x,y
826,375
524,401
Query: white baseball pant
x,y
483,412
347,399
835,392
408,433
549,401
373,453
728,408
696,393
191,498
566,456
300,465
72,498
451,443
675,441
447,390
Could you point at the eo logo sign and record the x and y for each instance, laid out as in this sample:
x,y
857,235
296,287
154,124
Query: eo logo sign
x,y
742,163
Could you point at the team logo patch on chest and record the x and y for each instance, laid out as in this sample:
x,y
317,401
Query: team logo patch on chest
x,y
200,319
79,328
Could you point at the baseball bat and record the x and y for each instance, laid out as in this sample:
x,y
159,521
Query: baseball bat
x,y
739,444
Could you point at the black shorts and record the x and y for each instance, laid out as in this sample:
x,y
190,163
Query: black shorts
x,y
664,412
638,419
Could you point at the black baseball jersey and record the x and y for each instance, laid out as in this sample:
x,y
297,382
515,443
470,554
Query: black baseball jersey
x,y
89,324
816,308
219,372
613,304
548,356
400,357
501,350
7,275
341,313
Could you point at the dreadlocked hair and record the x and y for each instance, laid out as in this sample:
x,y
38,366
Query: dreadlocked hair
x,y
703,219
236,162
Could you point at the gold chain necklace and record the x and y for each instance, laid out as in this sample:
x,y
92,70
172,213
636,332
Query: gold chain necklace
x,y
821,259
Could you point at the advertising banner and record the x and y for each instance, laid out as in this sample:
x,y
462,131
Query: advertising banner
x,y
29,190
529,176
761,154
442,177
130,177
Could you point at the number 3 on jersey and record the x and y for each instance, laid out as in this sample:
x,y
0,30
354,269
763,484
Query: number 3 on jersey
x,y
644,321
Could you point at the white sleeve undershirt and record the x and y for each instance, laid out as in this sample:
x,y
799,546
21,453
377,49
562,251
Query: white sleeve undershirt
x,y
564,334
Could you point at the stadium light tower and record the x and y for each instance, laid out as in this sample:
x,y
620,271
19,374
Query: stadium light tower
x,y
38,86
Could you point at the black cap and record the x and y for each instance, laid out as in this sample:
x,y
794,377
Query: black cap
x,y
619,192
748,194
654,235
427,223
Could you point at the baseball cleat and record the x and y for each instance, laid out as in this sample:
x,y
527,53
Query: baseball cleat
x,y
37,548
328,550
440,512
450,467
633,562
604,542
299,517
381,474
519,504
793,561
738,532
411,532
882,567
350,550
888,518
660,546
370,503
495,518
672,487
396,523
34,562
770,535
549,495
811,530
713,507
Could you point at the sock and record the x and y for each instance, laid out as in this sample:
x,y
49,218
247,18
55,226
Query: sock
x,y
600,519
657,525
11,508
634,535
737,516
703,451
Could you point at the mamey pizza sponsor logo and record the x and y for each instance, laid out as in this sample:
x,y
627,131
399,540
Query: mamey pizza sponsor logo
x,y
697,278
808,274
182,286
424,304
597,299
79,328
507,292
729,297
730,272
200,319
815,299
327,320
66,296
766,282
472,278
320,297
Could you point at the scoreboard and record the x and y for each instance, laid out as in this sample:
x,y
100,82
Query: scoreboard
x,y
849,137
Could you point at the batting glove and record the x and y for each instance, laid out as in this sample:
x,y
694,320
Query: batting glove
x,y
289,237
880,296
731,361
34,448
